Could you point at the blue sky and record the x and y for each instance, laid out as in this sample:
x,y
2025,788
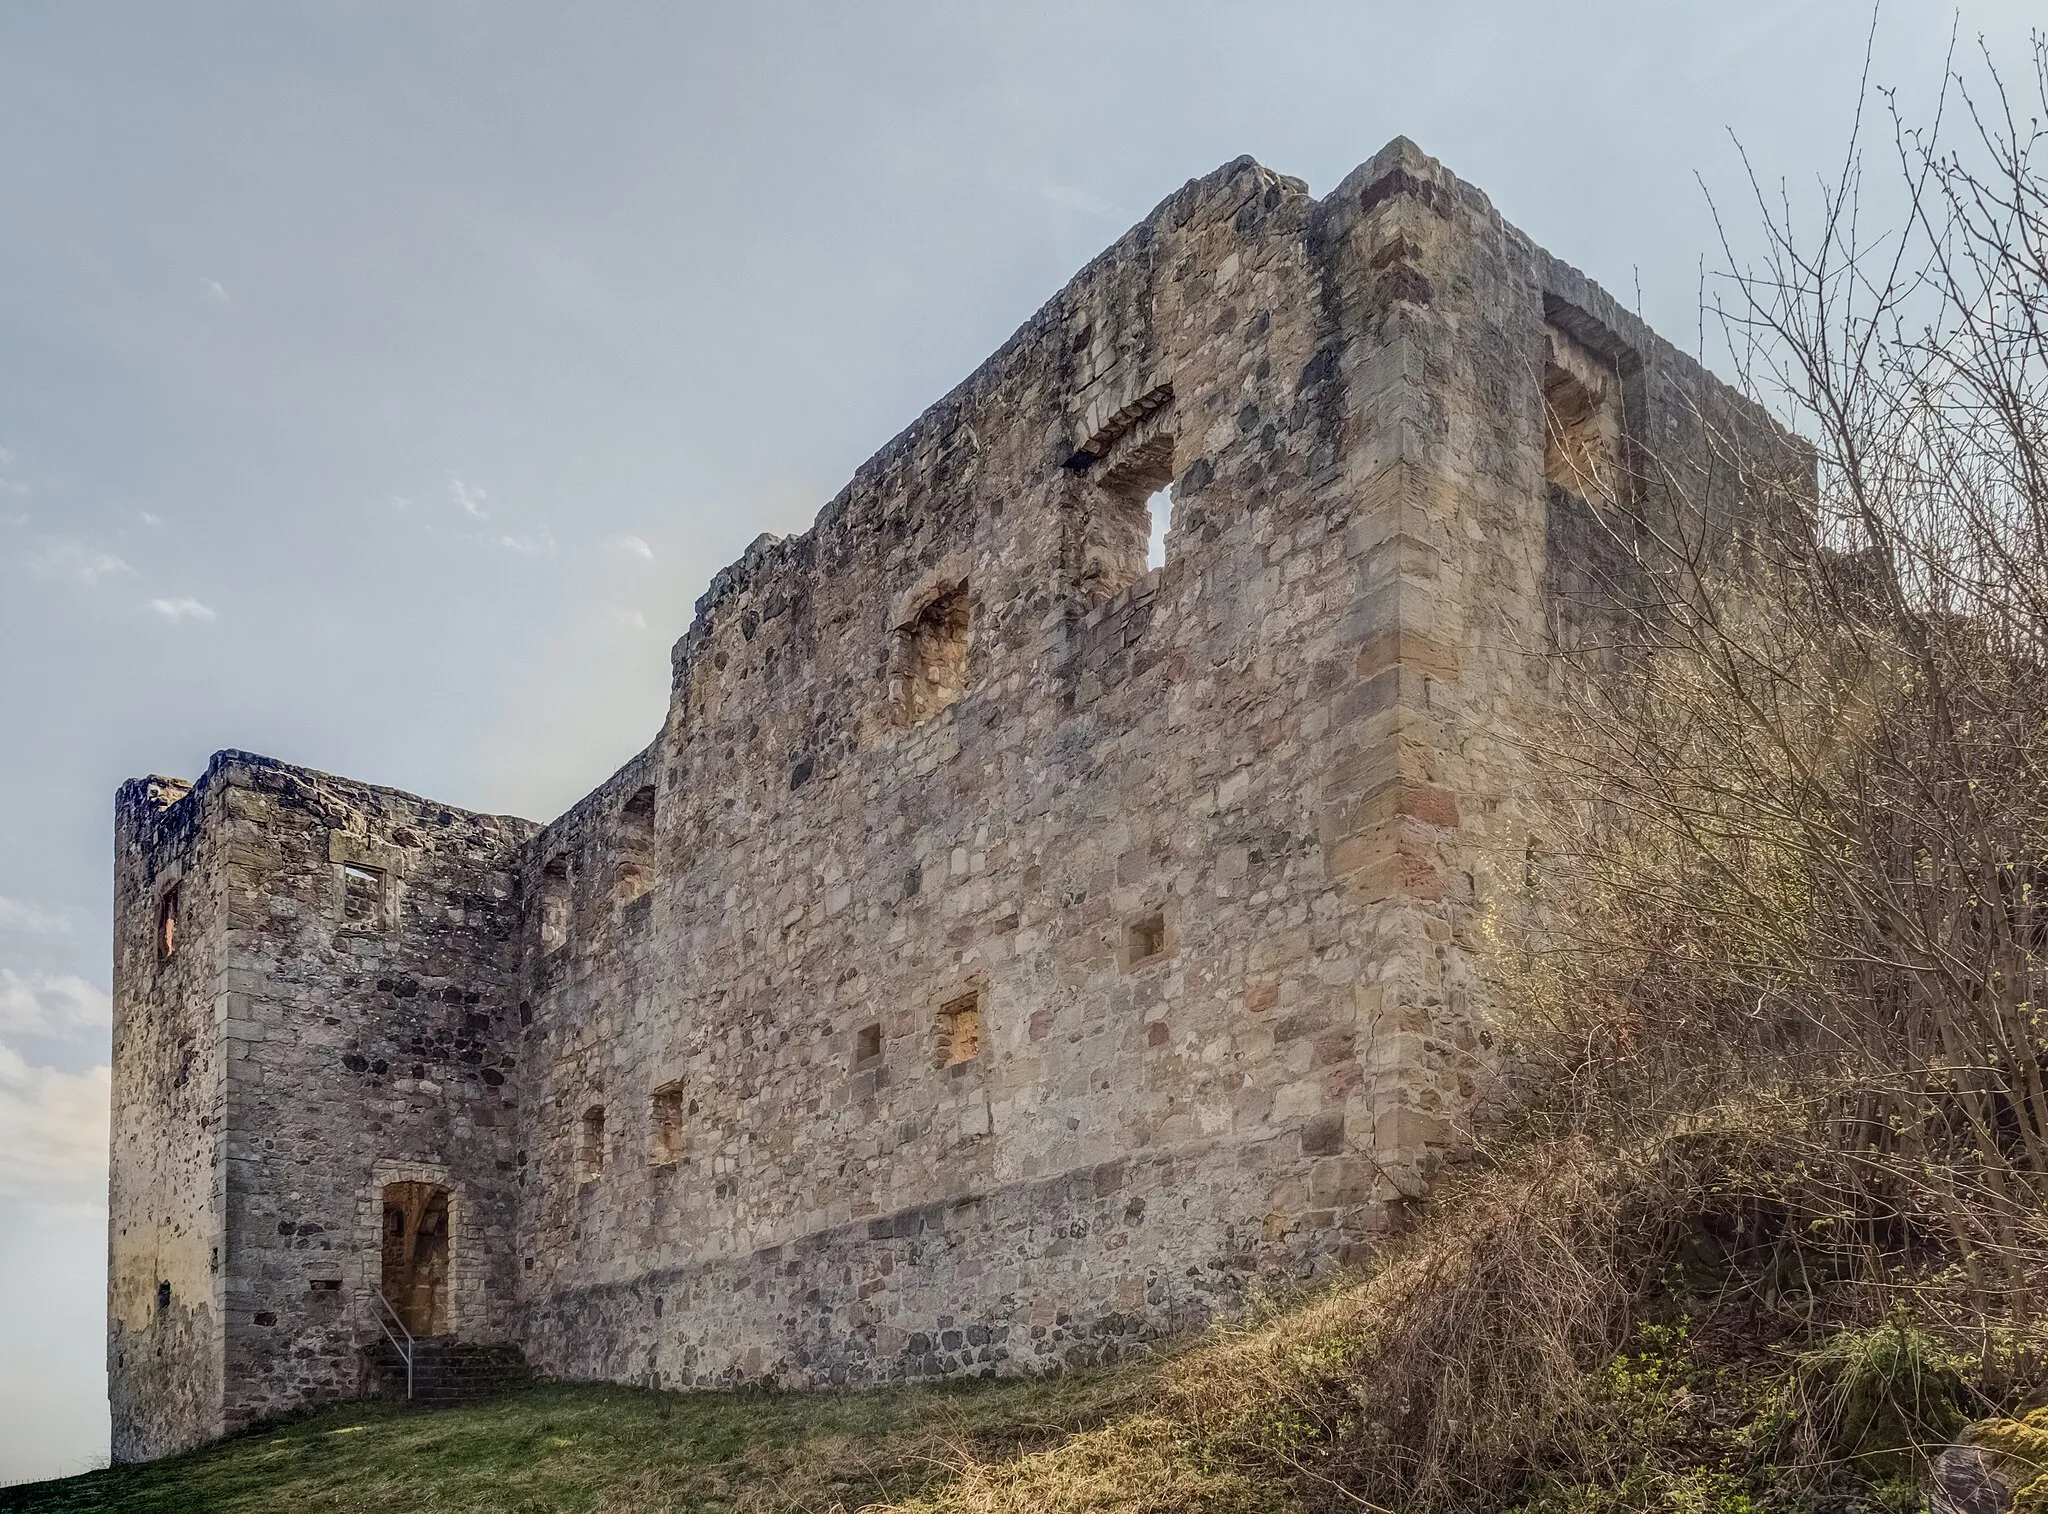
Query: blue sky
x,y
380,383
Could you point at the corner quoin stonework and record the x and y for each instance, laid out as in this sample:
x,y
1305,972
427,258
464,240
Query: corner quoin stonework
x,y
1005,952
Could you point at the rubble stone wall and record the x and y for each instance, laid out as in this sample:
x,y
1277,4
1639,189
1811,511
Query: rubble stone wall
x,y
166,1185
1007,951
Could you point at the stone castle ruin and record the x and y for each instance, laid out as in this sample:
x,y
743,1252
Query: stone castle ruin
x,y
1006,951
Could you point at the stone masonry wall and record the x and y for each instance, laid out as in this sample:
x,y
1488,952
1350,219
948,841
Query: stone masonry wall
x,y
1293,746
366,1042
166,1185
1006,952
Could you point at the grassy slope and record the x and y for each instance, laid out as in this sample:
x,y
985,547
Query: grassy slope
x,y
609,1450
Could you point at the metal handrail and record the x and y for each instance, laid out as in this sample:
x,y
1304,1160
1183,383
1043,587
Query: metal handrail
x,y
405,1351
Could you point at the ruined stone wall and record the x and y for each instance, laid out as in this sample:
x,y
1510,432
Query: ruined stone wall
x,y
346,1019
166,1183
370,1037
1005,952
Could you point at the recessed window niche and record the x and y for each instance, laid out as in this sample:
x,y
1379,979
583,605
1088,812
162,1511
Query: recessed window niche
x,y
928,665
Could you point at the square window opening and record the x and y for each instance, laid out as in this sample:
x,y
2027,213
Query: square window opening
x,y
669,1134
959,1038
867,1045
362,896
929,669
1144,940
590,1148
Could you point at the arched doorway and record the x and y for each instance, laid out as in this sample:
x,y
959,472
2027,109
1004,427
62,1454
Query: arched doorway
x,y
415,1277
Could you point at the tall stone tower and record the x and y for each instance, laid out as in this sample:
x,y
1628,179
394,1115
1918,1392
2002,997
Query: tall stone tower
x,y
1009,949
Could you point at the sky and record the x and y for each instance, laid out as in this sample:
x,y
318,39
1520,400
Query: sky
x,y
381,383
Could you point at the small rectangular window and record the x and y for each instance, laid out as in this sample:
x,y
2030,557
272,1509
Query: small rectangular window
x,y
1144,940
670,1111
959,1030
362,896
867,1044
590,1150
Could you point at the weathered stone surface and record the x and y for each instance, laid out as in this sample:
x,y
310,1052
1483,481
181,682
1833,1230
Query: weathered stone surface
x,y
1197,847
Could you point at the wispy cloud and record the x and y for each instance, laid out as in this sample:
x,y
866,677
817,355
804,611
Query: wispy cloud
x,y
184,608
632,546
53,1129
215,292
26,915
533,544
68,557
469,497
44,1004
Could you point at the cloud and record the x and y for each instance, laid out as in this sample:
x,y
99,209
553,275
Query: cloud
x,y
632,546
469,496
149,518
53,1129
43,1004
215,292
533,544
185,608
68,557
23,914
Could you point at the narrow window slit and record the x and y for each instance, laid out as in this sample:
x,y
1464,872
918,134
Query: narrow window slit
x,y
590,1156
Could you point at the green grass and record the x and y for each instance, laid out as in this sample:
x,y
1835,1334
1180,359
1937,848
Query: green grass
x,y
606,1449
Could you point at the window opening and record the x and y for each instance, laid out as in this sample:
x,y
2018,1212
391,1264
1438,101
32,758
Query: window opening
x,y
930,669
590,1151
554,905
167,924
867,1044
415,1260
1128,519
1160,507
1144,939
1582,422
960,1030
669,1112
635,873
362,895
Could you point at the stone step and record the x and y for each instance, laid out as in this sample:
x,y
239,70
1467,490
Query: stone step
x,y
444,1372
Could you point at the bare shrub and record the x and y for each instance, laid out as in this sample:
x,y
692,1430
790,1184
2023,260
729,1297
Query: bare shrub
x,y
1796,839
